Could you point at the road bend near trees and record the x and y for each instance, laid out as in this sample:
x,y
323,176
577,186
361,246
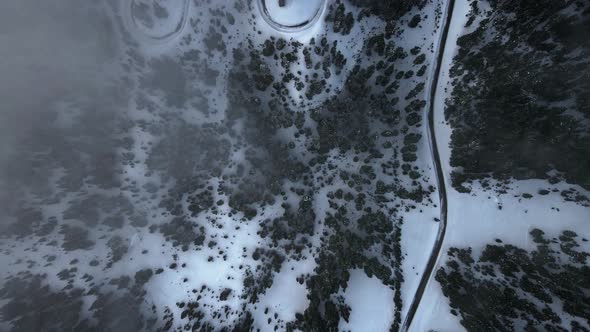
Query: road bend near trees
x,y
429,269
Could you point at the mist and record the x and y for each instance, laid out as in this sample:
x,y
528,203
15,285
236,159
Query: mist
x,y
52,52
316,166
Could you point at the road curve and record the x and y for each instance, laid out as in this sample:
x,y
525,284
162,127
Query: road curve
x,y
442,193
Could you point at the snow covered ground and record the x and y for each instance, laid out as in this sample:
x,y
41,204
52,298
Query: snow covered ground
x,y
230,148
480,217
218,173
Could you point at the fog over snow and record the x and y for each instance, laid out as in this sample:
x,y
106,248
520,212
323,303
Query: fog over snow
x,y
350,165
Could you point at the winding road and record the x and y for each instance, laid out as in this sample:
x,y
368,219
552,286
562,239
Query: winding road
x,y
429,269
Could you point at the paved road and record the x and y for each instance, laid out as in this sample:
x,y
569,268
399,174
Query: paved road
x,y
442,193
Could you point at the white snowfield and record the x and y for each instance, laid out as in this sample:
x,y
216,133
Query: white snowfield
x,y
225,261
